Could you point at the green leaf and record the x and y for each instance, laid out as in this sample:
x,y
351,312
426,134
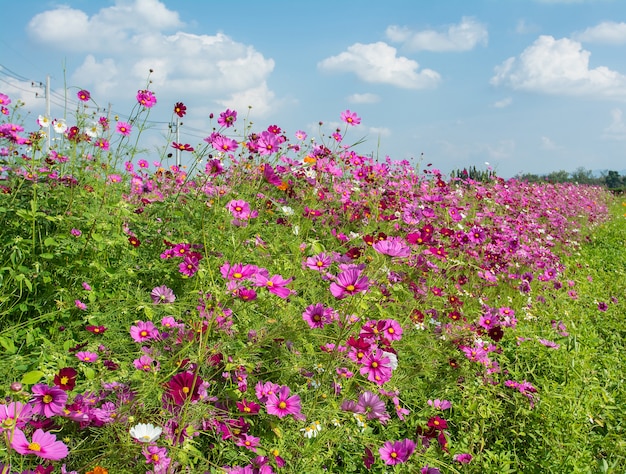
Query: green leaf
x,y
32,377
89,373
8,345
50,242
47,256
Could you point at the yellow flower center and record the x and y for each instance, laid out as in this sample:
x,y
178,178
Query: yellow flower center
x,y
185,390
34,447
350,288
282,405
47,398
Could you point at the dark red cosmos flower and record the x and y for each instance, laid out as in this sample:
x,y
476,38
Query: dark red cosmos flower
x,y
180,109
182,146
95,329
134,241
181,388
66,379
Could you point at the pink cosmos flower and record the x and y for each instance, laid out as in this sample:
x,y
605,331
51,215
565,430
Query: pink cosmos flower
x,y
80,305
463,458
124,128
102,143
350,118
239,209
267,143
43,445
349,282
48,401
264,389
396,452
300,135
318,262
223,144
146,364
144,331
392,246
275,284
440,404
162,294
372,406
238,271
376,366
281,404
14,415
248,441
85,356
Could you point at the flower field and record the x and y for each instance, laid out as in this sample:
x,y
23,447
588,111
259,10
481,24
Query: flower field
x,y
284,304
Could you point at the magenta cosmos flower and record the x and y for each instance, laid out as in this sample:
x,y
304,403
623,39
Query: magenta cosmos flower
x,y
227,118
396,452
143,331
281,404
146,98
318,316
86,356
48,401
43,445
349,282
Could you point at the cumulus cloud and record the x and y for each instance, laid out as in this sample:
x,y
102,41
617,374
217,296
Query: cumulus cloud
x,y
378,63
366,98
559,67
71,29
617,129
123,42
608,32
463,36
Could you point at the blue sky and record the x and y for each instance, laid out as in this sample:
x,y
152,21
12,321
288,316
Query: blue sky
x,y
529,86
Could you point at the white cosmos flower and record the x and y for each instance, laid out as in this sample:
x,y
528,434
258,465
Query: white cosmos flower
x,y
59,125
145,432
94,130
43,121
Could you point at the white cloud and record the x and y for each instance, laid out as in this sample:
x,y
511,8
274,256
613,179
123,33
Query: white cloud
x,y
108,30
617,129
559,67
463,36
548,144
608,32
123,42
366,98
523,27
500,104
378,63
379,131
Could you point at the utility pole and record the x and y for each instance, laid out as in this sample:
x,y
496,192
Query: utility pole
x,y
176,125
47,112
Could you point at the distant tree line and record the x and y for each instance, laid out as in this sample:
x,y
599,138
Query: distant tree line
x,y
611,179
